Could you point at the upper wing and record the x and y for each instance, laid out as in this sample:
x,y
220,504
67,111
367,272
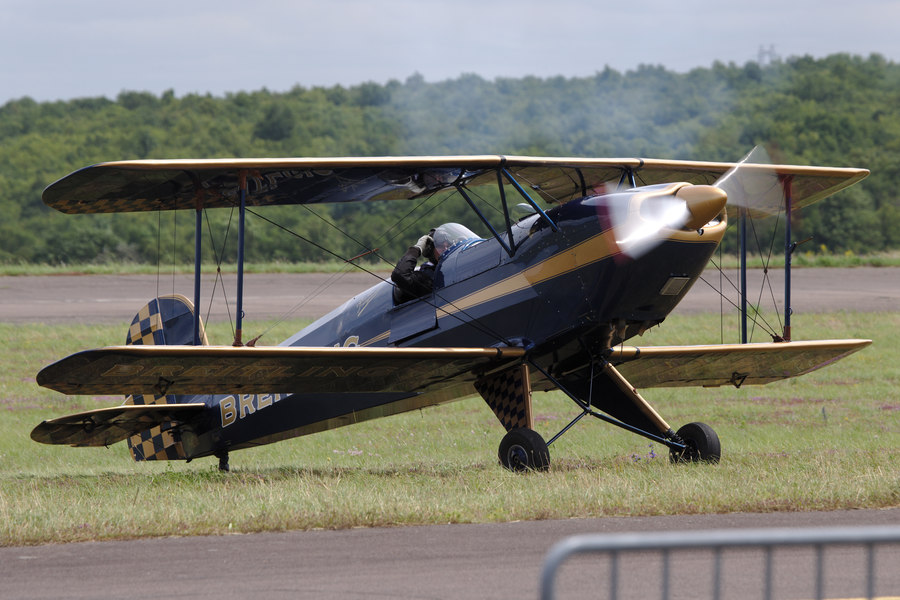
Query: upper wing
x,y
146,185
735,364
162,370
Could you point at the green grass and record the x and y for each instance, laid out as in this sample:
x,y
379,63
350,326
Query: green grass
x,y
825,441
820,258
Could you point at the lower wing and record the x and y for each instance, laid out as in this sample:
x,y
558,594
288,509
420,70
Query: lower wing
x,y
727,364
406,377
165,370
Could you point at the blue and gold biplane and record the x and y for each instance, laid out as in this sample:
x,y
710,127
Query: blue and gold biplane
x,y
546,302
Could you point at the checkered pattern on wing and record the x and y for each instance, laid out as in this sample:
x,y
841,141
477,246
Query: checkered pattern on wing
x,y
146,328
116,205
162,442
508,393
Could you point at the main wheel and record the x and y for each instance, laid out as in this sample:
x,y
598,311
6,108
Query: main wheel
x,y
702,444
524,450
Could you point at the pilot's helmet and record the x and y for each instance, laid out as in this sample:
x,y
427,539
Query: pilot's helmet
x,y
450,234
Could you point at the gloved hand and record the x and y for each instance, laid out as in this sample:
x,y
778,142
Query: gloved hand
x,y
425,246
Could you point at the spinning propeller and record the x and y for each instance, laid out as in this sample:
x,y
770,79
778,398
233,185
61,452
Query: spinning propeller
x,y
638,220
753,184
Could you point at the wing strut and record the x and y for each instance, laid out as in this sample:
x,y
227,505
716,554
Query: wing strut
x,y
789,246
668,437
529,199
198,246
508,243
742,245
788,251
242,180
487,223
628,176
198,254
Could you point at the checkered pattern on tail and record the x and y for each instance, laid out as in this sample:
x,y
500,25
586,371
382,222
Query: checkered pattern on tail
x,y
146,327
162,442
508,393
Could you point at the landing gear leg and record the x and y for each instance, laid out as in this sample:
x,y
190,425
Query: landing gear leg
x,y
695,442
508,393
222,455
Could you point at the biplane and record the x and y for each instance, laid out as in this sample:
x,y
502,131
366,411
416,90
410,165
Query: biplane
x,y
546,301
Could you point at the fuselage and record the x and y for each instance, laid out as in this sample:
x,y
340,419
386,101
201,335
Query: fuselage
x,y
558,284
566,294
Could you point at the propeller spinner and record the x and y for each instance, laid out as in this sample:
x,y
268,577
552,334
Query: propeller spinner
x,y
639,222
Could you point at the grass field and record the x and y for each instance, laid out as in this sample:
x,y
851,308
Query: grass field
x,y
829,440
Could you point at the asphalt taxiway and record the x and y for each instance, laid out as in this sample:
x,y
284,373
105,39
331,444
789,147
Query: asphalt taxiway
x,y
116,298
468,561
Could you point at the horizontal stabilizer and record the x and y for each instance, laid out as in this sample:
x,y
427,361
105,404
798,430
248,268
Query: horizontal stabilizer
x,y
105,426
727,364
162,370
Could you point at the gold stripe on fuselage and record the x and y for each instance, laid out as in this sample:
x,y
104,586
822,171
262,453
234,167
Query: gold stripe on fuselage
x,y
593,249
377,338
588,252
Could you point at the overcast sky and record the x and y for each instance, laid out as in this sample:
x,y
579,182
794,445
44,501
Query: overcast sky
x,y
62,49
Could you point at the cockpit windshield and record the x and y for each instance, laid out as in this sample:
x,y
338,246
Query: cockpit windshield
x,y
450,234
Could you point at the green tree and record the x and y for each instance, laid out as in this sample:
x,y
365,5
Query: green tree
x,y
839,110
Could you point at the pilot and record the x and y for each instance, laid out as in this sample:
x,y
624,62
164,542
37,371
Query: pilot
x,y
411,282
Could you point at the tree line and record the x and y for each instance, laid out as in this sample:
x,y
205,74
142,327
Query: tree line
x,y
836,111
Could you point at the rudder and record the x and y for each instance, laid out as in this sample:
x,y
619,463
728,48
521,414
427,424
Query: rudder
x,y
164,321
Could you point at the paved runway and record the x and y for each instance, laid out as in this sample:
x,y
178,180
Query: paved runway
x,y
482,561
449,561
115,298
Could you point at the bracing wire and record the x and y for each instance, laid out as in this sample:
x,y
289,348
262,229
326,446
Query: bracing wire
x,y
721,302
334,226
321,287
754,313
767,282
472,321
384,236
219,257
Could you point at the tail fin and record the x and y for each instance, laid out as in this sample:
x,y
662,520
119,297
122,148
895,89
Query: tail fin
x,y
165,321
168,320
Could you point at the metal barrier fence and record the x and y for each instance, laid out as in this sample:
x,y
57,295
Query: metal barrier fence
x,y
718,540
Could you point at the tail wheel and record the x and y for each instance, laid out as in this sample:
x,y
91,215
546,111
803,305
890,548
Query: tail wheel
x,y
702,444
524,450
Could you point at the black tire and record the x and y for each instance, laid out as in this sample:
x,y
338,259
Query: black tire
x,y
524,450
702,444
